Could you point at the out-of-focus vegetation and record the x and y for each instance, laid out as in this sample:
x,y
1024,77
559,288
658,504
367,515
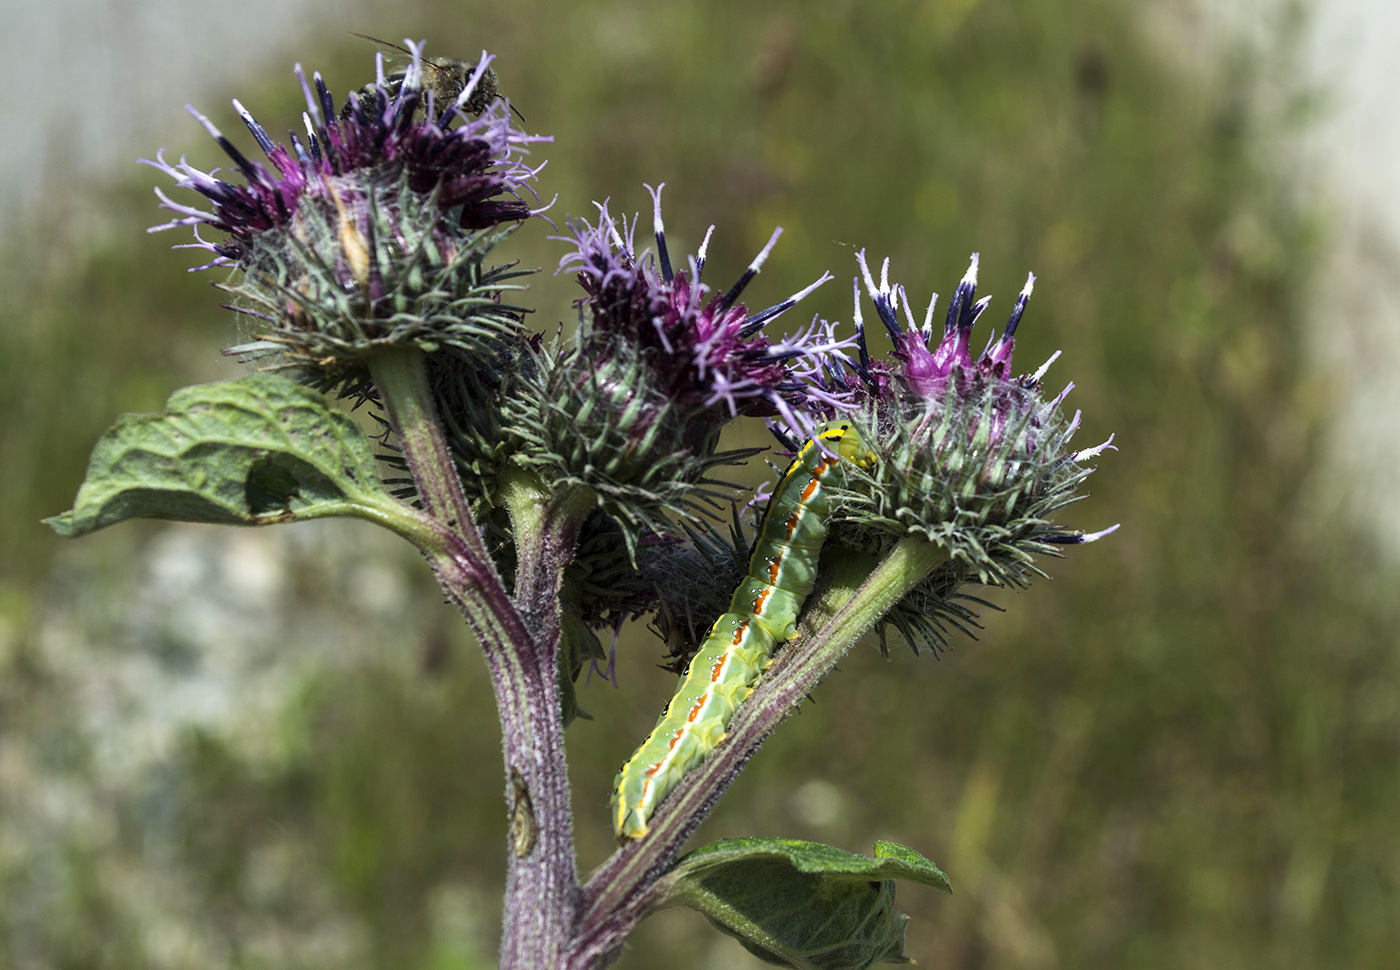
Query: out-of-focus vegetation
x,y
268,750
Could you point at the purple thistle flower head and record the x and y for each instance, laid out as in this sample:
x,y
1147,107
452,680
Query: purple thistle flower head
x,y
475,167
371,230
703,349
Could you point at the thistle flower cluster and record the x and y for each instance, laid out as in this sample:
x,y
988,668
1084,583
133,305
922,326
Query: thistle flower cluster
x,y
968,457
373,232
557,479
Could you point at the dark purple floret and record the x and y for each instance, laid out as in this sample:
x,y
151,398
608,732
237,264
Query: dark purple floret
x,y
947,373
474,171
704,349
925,371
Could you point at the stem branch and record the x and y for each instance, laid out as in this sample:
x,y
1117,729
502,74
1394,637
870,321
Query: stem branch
x,y
401,375
623,890
542,887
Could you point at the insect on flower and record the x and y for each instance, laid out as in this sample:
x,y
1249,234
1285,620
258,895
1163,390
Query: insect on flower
x,y
445,79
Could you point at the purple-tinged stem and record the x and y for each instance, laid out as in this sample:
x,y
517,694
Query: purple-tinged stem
x,y
542,887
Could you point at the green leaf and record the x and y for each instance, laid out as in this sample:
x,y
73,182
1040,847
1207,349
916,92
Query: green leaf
x,y
803,904
255,451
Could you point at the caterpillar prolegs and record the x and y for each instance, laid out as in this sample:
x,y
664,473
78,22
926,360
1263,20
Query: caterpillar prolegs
x,y
762,613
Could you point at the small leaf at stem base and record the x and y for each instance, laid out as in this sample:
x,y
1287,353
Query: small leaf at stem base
x,y
803,904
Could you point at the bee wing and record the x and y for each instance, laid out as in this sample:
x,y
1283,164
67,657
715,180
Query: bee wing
x,y
382,43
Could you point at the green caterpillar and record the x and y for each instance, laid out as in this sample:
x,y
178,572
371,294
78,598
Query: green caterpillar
x,y
762,614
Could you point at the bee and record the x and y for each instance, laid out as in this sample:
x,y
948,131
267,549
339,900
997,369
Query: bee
x,y
444,77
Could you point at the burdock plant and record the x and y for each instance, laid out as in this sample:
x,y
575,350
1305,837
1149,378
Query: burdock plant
x,y
560,486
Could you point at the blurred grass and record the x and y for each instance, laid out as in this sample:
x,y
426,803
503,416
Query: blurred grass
x,y
1181,752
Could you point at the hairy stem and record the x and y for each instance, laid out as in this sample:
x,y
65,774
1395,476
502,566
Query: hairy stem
x,y
546,526
623,890
401,377
542,887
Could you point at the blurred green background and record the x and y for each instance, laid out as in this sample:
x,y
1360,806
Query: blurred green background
x,y
277,749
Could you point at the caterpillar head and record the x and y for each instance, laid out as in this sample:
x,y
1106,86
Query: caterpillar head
x,y
842,439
